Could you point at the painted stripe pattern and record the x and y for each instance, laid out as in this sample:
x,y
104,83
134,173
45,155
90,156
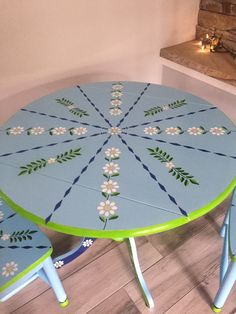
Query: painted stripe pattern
x,y
180,145
161,186
76,180
94,106
52,144
63,119
170,118
134,104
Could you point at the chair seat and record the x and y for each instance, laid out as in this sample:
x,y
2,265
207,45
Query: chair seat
x,y
232,230
22,246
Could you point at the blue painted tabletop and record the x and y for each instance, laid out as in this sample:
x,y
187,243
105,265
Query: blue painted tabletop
x,y
117,159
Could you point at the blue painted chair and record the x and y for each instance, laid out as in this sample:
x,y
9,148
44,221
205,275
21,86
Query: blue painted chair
x,y
25,254
227,270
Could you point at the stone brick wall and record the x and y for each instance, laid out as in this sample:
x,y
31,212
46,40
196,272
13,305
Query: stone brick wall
x,y
220,14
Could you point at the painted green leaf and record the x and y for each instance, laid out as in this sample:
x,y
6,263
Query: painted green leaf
x,y
115,175
115,194
115,158
103,219
113,217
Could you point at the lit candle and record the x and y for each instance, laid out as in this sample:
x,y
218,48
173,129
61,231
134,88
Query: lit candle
x,y
207,36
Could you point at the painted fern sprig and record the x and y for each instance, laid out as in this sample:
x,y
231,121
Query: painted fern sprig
x,y
152,111
72,108
177,104
157,109
160,154
33,166
79,112
72,153
21,235
41,163
183,176
177,172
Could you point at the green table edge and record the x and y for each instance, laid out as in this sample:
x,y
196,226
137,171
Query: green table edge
x,y
122,233
232,256
26,271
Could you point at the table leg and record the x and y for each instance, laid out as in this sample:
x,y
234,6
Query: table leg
x,y
134,258
69,256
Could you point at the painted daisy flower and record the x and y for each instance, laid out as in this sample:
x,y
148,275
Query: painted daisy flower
x,y
114,130
1,215
58,264
172,130
5,236
107,208
79,131
165,107
111,168
59,130
170,165
51,160
16,130
9,269
71,107
113,152
116,94
37,131
115,111
195,131
117,86
116,102
217,131
87,243
151,130
109,186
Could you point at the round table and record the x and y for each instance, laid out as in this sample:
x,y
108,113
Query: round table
x,y
117,159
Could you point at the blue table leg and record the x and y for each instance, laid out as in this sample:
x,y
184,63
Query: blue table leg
x,y
69,256
223,228
225,287
134,258
225,253
52,278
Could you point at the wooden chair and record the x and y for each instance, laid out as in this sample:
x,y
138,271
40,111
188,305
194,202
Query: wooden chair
x,y
227,270
25,254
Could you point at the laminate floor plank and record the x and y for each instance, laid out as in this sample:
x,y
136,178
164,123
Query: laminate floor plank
x,y
199,299
167,242
117,303
95,282
175,275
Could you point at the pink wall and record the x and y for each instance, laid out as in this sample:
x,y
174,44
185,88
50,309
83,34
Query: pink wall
x,y
71,41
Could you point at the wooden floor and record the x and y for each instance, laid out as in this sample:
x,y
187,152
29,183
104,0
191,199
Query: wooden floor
x,y
181,268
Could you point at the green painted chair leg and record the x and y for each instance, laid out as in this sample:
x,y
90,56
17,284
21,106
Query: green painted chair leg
x,y
65,303
215,309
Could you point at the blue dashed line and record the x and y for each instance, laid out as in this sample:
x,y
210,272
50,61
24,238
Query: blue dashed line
x,y
134,104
